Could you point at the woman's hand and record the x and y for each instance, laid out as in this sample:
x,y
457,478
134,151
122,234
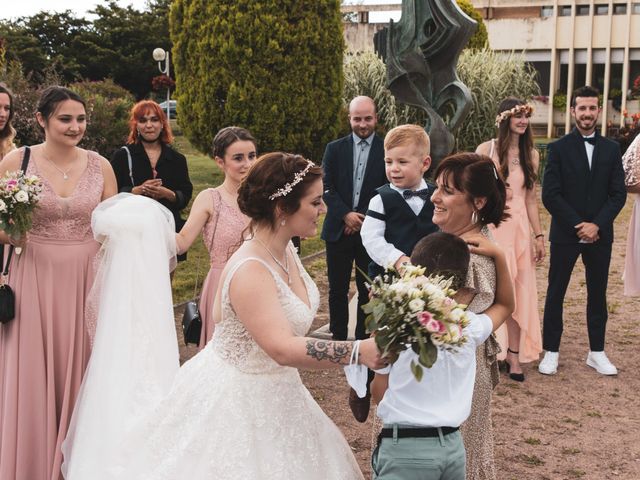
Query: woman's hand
x,y
539,250
370,355
481,245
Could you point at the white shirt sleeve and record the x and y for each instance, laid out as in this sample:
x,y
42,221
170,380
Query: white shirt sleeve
x,y
479,328
372,233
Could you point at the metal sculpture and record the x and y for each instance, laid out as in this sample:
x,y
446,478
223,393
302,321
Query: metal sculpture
x,y
421,53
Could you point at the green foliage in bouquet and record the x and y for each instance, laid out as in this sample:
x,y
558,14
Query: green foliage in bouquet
x,y
274,67
414,311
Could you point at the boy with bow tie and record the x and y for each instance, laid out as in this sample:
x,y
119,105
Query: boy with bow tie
x,y
400,214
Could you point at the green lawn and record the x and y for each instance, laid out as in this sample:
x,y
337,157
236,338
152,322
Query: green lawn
x,y
204,173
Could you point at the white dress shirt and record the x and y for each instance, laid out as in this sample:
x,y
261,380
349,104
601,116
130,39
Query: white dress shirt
x,y
443,397
589,148
372,231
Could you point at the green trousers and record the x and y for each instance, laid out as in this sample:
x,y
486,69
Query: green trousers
x,y
430,458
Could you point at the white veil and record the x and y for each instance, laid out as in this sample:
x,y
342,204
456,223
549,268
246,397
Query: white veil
x,y
135,352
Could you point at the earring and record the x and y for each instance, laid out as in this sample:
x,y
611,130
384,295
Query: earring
x,y
283,222
474,217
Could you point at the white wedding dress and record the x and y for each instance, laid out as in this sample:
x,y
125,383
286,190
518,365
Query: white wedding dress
x,y
232,412
135,352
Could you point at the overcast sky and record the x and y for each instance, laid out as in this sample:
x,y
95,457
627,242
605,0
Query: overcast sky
x,y
26,8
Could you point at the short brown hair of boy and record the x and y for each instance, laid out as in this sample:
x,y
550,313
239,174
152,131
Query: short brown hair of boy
x,y
408,134
443,254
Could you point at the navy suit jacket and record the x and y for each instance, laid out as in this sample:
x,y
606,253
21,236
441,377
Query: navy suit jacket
x,y
337,165
573,193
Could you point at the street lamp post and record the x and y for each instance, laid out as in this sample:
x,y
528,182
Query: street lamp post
x,y
160,55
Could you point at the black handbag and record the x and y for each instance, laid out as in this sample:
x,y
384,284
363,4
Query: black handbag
x,y
191,323
7,296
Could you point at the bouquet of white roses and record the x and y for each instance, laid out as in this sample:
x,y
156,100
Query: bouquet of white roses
x,y
19,195
414,311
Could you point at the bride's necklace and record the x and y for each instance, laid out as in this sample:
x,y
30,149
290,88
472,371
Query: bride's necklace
x,y
284,266
65,174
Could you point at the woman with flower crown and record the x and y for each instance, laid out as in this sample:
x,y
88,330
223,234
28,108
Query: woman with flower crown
x,y
238,409
521,235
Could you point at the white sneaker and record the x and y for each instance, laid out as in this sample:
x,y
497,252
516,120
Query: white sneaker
x,y
549,364
601,363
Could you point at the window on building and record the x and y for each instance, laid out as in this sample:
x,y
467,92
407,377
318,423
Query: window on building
x,y
601,9
546,11
564,10
619,8
636,8
582,10
543,72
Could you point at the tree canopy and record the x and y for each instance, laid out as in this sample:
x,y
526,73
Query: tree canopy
x,y
117,44
274,67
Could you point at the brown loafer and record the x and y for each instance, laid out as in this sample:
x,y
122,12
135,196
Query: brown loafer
x,y
359,406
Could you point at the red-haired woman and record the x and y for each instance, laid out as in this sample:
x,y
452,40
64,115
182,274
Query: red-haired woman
x,y
148,165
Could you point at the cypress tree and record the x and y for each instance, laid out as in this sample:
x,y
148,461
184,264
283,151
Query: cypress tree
x,y
274,67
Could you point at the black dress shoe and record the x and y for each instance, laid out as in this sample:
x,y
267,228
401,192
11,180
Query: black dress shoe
x,y
359,406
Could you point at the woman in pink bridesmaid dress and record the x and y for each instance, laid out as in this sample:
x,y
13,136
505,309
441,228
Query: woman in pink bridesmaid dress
x,y
216,214
631,165
44,350
518,161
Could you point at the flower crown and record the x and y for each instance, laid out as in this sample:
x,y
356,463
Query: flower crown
x,y
297,178
525,108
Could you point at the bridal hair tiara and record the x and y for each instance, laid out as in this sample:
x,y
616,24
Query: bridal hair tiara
x,y
524,108
297,178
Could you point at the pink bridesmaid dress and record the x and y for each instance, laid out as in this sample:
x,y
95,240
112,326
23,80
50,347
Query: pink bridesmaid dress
x,y
221,234
44,350
631,165
514,236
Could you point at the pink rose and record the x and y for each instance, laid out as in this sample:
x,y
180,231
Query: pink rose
x,y
424,318
431,324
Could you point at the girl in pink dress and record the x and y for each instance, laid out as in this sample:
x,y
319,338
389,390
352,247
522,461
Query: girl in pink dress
x,y
215,212
518,161
631,165
44,350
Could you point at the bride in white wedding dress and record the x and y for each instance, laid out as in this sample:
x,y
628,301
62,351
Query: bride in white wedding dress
x,y
238,410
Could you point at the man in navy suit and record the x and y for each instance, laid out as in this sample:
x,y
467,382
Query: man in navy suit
x,y
353,169
584,191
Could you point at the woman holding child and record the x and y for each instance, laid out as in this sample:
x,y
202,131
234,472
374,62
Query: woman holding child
x,y
514,155
470,195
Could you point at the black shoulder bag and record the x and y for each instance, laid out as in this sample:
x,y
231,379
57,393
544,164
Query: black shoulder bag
x,y
7,297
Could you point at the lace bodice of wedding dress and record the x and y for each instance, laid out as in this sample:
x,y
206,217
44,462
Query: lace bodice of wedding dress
x,y
235,345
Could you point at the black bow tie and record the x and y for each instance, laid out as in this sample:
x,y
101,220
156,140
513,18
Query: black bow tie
x,y
591,140
423,194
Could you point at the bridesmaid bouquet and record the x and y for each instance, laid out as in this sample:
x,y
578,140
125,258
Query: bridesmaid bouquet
x,y
414,311
19,195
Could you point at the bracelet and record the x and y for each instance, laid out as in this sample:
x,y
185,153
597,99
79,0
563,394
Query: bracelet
x,y
539,235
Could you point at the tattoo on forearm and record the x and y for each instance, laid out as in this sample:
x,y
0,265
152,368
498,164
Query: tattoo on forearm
x,y
335,352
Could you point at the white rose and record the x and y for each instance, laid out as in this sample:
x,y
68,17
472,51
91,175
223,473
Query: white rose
x,y
3,206
456,314
416,305
22,196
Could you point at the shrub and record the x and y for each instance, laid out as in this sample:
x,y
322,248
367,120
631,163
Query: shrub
x,y
480,38
108,107
491,77
274,67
